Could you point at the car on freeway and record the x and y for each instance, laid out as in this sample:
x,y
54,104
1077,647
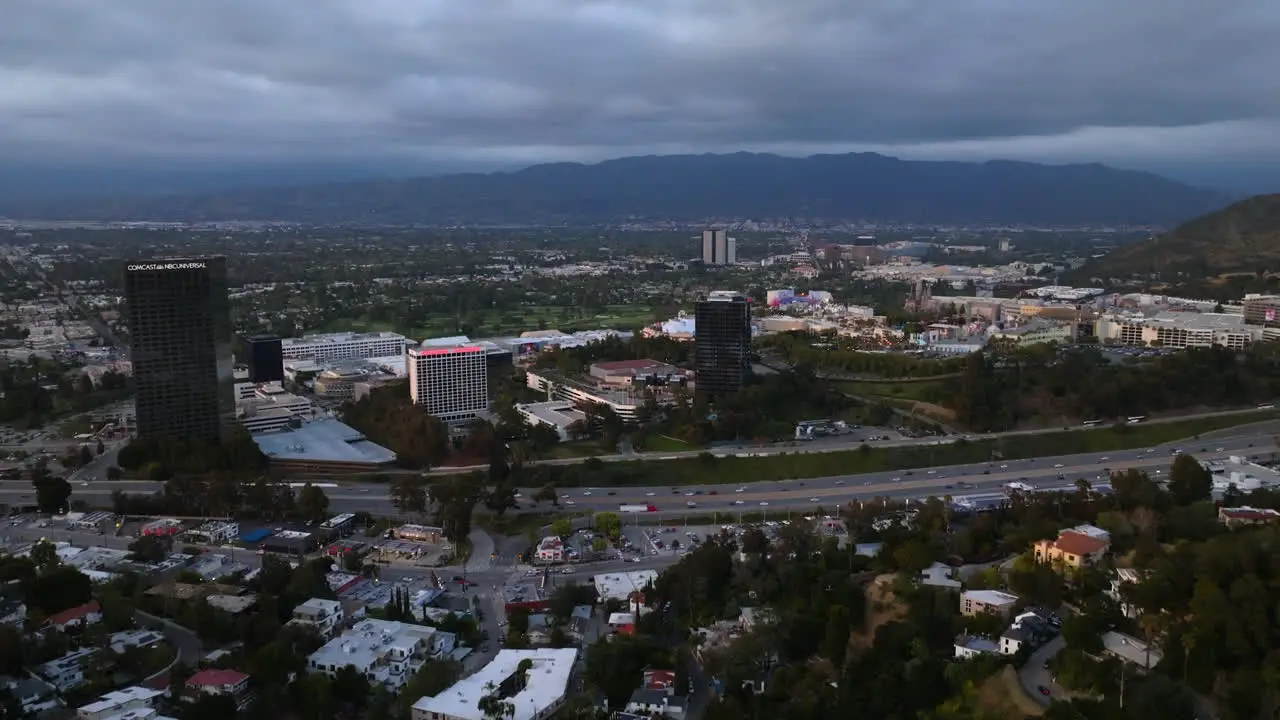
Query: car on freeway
x,y
1044,690
1057,465
763,503
814,500
737,502
650,494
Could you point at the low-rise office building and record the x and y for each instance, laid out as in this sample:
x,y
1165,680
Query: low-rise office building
x,y
340,346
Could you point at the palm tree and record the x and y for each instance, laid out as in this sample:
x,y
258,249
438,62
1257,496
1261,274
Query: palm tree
x,y
1084,488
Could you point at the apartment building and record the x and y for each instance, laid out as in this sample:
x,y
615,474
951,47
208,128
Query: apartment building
x,y
451,381
387,653
533,683
340,346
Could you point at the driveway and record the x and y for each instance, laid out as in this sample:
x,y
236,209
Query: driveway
x,y
1033,675
185,640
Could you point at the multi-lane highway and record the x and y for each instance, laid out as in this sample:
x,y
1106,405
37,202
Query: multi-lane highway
x,y
840,443
956,481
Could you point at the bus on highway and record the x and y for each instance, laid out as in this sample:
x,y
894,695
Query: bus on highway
x,y
1091,423
1136,419
1013,487
1267,406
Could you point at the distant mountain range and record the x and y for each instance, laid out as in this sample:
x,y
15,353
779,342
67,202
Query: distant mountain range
x,y
1243,237
862,186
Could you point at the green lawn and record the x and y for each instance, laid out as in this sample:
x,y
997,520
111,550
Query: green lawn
x,y
924,391
496,323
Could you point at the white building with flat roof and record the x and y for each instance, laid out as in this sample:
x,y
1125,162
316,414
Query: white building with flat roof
x,y
119,702
557,415
533,694
339,346
324,615
621,585
385,652
1178,330
451,381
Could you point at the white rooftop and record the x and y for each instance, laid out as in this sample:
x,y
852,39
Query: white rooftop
x,y
558,412
619,586
991,597
547,683
370,640
116,698
325,440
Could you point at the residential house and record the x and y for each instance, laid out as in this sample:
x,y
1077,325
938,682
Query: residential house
x,y
118,702
212,681
33,695
1028,630
67,672
649,703
970,647
129,639
580,621
1131,650
1071,549
623,623
79,616
326,616
939,575
1123,577
995,602
1245,516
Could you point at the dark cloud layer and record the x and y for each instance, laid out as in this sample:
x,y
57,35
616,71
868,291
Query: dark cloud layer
x,y
509,81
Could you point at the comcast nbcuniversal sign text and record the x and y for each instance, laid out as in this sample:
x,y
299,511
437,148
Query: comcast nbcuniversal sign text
x,y
167,266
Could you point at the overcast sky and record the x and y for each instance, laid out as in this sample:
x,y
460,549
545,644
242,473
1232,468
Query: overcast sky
x,y
203,83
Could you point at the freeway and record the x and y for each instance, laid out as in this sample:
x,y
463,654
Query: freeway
x,y
959,480
835,444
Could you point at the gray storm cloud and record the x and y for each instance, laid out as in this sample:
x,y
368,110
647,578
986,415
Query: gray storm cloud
x,y
528,80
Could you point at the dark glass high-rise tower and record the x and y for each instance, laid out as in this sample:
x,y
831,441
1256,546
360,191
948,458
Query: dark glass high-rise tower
x,y
722,342
266,358
179,319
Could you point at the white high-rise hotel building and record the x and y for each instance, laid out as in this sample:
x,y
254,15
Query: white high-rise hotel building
x,y
450,381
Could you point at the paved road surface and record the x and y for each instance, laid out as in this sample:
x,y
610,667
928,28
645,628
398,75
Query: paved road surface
x,y
837,444
1033,675
791,495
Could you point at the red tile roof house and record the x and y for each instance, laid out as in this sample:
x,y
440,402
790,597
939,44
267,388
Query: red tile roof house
x,y
86,614
212,681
